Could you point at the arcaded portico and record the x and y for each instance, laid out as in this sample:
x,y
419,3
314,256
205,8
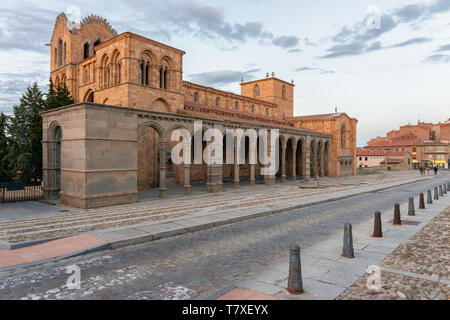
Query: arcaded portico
x,y
91,153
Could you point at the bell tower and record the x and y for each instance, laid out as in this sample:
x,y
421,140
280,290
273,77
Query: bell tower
x,y
274,90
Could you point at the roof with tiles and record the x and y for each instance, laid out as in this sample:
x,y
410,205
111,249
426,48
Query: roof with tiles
x,y
368,152
217,113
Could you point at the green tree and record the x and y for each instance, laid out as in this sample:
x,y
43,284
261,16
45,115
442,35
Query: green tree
x,y
58,97
4,147
25,131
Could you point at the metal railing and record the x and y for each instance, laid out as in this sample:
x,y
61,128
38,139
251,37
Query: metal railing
x,y
20,191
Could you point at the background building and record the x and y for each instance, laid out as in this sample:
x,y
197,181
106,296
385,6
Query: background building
x,y
428,143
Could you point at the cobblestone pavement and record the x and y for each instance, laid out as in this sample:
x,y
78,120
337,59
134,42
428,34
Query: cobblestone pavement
x,y
75,221
198,265
418,269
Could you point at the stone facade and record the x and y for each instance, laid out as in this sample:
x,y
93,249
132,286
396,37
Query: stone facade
x,y
130,97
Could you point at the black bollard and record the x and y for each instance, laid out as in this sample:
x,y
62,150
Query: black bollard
x,y
347,249
421,201
448,186
295,282
377,233
444,188
397,218
411,211
436,194
441,193
429,198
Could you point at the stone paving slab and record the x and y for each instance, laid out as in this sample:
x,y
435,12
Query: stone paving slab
x,y
327,275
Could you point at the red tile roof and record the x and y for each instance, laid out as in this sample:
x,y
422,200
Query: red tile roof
x,y
316,116
368,152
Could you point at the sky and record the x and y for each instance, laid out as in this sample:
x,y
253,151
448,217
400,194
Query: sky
x,y
384,62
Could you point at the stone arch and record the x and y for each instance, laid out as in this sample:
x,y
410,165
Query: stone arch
x,y
116,67
326,157
164,73
160,105
342,136
89,96
196,97
256,91
146,66
54,159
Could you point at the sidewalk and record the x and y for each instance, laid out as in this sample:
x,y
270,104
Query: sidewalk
x,y
214,212
417,269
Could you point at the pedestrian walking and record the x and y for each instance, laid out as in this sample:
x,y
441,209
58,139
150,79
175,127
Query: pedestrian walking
x,y
435,168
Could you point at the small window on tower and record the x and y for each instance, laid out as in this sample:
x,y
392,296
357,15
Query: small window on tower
x,y
86,50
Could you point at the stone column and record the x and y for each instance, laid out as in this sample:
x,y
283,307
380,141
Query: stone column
x,y
187,179
328,164
162,169
269,179
294,163
321,159
283,163
236,162
252,174
306,174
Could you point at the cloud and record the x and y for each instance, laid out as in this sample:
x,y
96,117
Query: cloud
x,y
359,39
438,58
286,42
443,48
222,77
411,42
26,29
320,70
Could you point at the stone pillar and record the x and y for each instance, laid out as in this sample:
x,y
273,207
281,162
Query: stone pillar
x,y
328,164
214,178
162,169
294,163
306,174
321,159
236,163
187,179
252,174
269,179
283,163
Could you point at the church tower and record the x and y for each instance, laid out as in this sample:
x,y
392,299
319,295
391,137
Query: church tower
x,y
272,90
72,43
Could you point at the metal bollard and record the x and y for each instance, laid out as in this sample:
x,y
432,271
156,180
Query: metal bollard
x,y
436,194
441,193
377,233
397,218
421,201
411,211
444,188
295,282
347,249
429,198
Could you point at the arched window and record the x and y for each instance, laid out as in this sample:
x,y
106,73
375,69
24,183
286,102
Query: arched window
x,y
64,55
252,108
217,101
267,111
256,92
283,91
147,74
343,136
60,52
195,96
236,105
56,56
165,78
142,72
161,77
119,73
86,50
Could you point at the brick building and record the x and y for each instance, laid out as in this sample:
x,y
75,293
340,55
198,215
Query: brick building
x,y
383,159
131,96
428,143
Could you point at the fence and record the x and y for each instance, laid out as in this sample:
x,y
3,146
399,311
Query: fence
x,y
20,191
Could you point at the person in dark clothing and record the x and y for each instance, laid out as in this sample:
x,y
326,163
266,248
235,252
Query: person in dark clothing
x,y
435,168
